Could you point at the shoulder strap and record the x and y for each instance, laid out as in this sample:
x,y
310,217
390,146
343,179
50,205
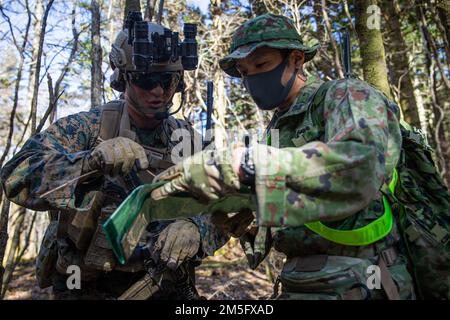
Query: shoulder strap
x,y
316,91
110,119
315,99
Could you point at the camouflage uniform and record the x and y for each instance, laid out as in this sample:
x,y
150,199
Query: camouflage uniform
x,y
339,143
55,156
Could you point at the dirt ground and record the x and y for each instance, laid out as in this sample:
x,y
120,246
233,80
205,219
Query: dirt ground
x,y
225,276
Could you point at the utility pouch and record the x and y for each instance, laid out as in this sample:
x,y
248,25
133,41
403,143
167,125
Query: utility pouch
x,y
99,254
84,224
324,277
47,256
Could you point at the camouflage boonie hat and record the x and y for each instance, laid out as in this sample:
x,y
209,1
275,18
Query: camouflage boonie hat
x,y
266,30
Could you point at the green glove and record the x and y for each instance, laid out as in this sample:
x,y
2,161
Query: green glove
x,y
207,175
256,244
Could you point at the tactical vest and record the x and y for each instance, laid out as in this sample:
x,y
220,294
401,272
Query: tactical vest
x,y
84,229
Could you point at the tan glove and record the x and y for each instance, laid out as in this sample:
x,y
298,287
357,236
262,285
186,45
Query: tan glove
x,y
117,156
178,242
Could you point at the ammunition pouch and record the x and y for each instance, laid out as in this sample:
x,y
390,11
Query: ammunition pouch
x,y
47,256
99,255
326,277
83,225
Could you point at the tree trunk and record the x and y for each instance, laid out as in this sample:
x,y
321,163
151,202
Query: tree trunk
x,y
442,145
55,92
21,51
112,23
14,246
4,214
131,5
149,10
334,46
443,9
429,39
220,101
318,17
348,15
37,25
26,240
36,79
324,62
371,48
439,126
96,56
443,30
399,68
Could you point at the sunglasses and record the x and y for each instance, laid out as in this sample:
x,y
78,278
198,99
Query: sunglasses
x,y
148,81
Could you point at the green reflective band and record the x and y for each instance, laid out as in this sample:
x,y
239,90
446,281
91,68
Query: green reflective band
x,y
371,233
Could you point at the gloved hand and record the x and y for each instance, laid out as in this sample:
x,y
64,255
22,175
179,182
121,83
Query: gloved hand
x,y
178,242
234,225
256,244
117,156
207,175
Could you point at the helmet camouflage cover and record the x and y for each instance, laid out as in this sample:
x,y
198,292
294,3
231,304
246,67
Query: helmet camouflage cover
x,y
268,30
121,58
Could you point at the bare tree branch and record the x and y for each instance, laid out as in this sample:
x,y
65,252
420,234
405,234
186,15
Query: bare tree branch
x,y
96,56
337,60
54,92
21,50
27,241
437,132
38,66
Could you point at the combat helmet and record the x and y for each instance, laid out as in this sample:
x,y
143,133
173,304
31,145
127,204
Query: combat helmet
x,y
121,59
268,30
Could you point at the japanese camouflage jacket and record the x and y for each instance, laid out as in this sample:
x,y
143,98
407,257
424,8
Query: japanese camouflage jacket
x,y
338,144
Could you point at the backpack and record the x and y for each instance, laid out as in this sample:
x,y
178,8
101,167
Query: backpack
x,y
423,215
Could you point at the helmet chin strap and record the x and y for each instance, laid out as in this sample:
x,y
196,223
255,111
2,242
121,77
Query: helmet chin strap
x,y
166,114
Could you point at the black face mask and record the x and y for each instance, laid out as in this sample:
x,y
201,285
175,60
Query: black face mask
x,y
266,88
